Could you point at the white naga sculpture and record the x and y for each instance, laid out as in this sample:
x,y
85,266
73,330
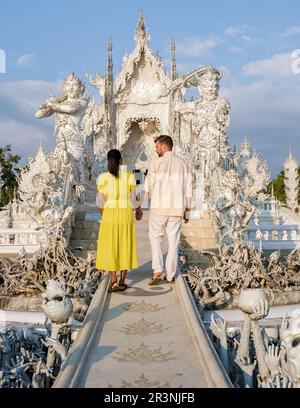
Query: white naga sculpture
x,y
291,182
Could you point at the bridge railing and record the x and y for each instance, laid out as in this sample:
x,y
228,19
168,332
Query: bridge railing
x,y
12,240
275,236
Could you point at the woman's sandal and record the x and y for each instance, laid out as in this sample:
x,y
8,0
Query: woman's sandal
x,y
122,286
114,287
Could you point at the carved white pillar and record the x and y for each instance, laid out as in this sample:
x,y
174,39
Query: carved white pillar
x,y
291,182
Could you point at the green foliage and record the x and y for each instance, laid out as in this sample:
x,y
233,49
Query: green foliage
x,y
9,172
278,184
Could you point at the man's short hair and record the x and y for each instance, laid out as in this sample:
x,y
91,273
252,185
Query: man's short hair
x,y
165,139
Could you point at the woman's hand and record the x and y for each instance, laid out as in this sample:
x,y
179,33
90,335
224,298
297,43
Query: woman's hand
x,y
138,214
187,215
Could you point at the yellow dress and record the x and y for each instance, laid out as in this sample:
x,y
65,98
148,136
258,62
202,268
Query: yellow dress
x,y
116,247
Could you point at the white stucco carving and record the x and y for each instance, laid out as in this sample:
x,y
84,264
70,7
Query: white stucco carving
x,y
291,182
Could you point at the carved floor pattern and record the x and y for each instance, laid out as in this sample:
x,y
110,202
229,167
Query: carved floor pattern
x,y
144,355
143,307
144,382
144,327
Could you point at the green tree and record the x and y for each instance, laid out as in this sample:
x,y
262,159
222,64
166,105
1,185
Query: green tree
x,y
9,172
278,184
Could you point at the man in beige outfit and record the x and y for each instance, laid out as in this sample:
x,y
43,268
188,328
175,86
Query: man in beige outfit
x,y
169,185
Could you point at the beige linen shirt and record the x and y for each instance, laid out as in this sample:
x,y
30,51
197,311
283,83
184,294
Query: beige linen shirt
x,y
169,184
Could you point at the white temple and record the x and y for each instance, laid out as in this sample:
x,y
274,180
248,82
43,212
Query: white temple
x,y
141,102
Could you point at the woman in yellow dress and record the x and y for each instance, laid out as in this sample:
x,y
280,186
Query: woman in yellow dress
x,y
116,249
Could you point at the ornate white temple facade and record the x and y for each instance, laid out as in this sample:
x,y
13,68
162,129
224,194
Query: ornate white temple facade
x,y
141,102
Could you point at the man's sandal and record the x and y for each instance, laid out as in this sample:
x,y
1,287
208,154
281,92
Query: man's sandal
x,y
156,279
122,286
169,280
114,287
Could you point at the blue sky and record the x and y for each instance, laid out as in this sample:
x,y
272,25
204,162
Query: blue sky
x,y
251,42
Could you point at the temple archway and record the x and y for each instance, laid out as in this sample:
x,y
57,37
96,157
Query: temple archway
x,y
139,149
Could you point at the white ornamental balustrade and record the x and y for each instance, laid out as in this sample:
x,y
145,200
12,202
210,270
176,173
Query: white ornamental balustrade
x,y
276,236
12,240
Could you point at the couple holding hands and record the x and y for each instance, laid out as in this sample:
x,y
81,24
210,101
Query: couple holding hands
x,y
168,184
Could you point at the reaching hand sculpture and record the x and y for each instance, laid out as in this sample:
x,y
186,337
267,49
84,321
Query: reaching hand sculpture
x,y
218,328
247,367
273,359
279,381
255,306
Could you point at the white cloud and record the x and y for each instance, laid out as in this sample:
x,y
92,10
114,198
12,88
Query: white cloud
x,y
19,100
279,65
232,31
268,115
26,59
248,39
197,47
227,75
240,33
26,95
290,31
236,50
24,138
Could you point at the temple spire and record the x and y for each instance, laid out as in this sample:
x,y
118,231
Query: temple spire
x,y
109,74
109,67
109,92
273,195
142,38
173,61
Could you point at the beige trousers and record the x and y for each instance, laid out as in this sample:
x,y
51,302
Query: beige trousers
x,y
158,225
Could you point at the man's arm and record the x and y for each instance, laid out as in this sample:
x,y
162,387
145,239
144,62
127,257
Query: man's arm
x,y
188,194
146,192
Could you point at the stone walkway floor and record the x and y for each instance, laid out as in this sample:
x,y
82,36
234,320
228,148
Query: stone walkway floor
x,y
143,340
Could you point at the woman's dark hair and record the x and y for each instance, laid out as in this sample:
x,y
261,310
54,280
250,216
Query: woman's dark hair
x,y
113,162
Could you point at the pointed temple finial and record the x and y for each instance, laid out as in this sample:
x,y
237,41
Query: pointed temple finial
x,y
40,147
141,36
109,81
173,60
109,66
